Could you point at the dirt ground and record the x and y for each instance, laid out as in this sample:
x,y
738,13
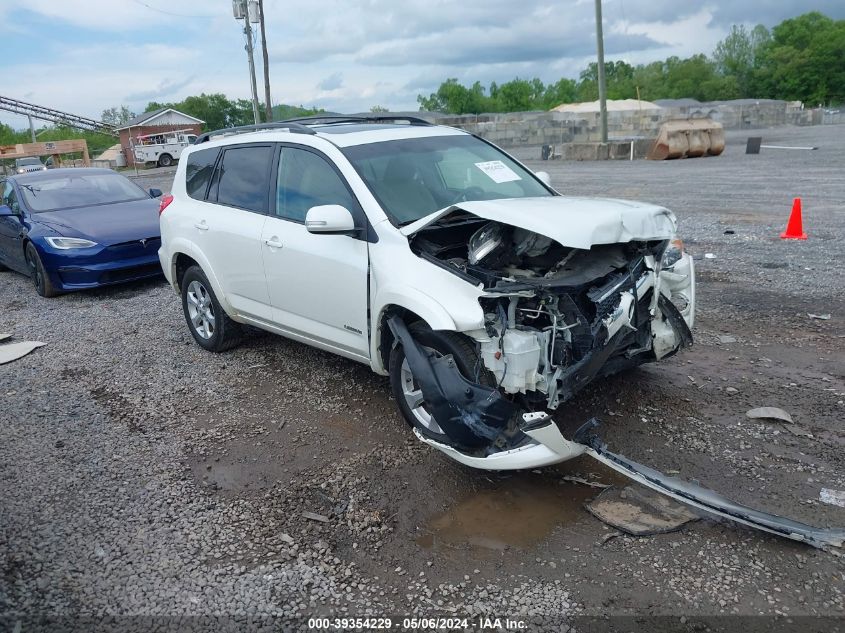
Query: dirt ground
x,y
273,429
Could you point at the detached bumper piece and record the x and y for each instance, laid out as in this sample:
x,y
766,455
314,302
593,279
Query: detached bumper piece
x,y
689,493
470,415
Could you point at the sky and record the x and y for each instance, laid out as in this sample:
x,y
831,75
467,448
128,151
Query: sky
x,y
83,56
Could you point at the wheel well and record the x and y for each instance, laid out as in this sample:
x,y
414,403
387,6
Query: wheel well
x,y
182,264
386,335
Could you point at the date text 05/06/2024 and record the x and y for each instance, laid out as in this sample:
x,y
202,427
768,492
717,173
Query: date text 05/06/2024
x,y
405,623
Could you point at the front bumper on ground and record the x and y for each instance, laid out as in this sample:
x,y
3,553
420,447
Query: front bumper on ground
x,y
549,447
544,450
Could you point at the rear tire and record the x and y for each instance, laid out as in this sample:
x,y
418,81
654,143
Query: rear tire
x,y
165,160
39,276
209,324
444,343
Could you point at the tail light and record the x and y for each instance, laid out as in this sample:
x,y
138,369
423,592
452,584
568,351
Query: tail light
x,y
164,203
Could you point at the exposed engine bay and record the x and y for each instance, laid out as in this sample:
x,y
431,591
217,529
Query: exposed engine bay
x,y
555,317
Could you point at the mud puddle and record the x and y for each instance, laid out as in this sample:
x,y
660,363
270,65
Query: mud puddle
x,y
519,512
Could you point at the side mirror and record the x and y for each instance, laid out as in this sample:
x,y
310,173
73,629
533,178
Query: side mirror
x,y
6,211
155,193
543,176
329,218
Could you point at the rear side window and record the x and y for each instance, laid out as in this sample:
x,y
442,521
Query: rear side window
x,y
198,172
243,177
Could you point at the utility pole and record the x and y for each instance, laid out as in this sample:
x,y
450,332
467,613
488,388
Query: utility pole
x,y
268,105
31,128
602,87
247,10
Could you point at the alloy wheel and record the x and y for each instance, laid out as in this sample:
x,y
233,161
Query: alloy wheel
x,y
200,309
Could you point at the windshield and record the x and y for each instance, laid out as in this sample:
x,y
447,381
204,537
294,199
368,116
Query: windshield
x,y
27,161
70,191
414,177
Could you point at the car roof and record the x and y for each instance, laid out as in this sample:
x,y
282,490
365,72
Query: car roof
x,y
342,134
34,176
348,134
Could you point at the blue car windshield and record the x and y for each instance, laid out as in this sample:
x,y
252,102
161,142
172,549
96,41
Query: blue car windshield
x,y
416,176
70,191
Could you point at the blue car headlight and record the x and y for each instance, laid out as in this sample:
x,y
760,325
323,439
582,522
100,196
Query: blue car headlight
x,y
67,243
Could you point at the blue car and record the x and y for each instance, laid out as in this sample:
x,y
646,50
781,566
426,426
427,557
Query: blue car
x,y
70,229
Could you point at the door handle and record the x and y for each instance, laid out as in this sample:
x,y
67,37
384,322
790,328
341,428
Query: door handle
x,y
273,242
202,226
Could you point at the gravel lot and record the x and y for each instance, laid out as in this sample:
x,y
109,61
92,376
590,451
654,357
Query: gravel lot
x,y
142,476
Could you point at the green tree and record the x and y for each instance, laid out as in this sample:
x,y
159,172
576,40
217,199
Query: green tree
x,y
562,91
117,116
804,60
619,80
454,98
696,77
215,109
282,111
517,95
736,55
651,80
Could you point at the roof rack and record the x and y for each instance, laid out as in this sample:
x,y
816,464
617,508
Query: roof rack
x,y
291,126
373,118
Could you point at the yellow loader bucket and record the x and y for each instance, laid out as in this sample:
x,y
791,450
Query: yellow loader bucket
x,y
688,138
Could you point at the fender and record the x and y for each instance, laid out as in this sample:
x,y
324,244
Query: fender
x,y
179,246
466,315
187,247
410,299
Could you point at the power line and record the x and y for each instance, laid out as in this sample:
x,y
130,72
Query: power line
x,y
178,15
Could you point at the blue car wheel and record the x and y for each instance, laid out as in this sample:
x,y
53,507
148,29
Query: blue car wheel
x,y
40,278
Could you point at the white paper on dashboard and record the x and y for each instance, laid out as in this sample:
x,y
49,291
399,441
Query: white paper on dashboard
x,y
498,171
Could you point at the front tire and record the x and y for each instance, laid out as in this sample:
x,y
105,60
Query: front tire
x,y
403,385
39,276
209,324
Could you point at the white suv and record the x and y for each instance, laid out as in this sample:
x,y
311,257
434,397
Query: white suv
x,y
435,258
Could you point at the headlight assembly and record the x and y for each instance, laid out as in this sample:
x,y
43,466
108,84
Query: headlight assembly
x,y
484,241
673,253
67,243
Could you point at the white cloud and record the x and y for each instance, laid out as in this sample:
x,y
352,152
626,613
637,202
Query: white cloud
x,y
120,15
331,83
87,55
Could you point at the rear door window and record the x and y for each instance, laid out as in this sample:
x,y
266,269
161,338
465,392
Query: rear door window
x,y
242,178
198,172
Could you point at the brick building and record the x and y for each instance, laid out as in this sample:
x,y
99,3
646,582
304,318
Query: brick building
x,y
161,120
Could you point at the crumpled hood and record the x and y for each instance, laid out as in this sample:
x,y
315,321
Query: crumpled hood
x,y
572,222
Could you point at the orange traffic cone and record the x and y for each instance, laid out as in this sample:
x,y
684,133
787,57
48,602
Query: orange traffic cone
x,y
794,228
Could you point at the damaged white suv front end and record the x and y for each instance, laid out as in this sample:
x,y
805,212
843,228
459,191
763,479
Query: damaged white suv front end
x,y
432,256
571,289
